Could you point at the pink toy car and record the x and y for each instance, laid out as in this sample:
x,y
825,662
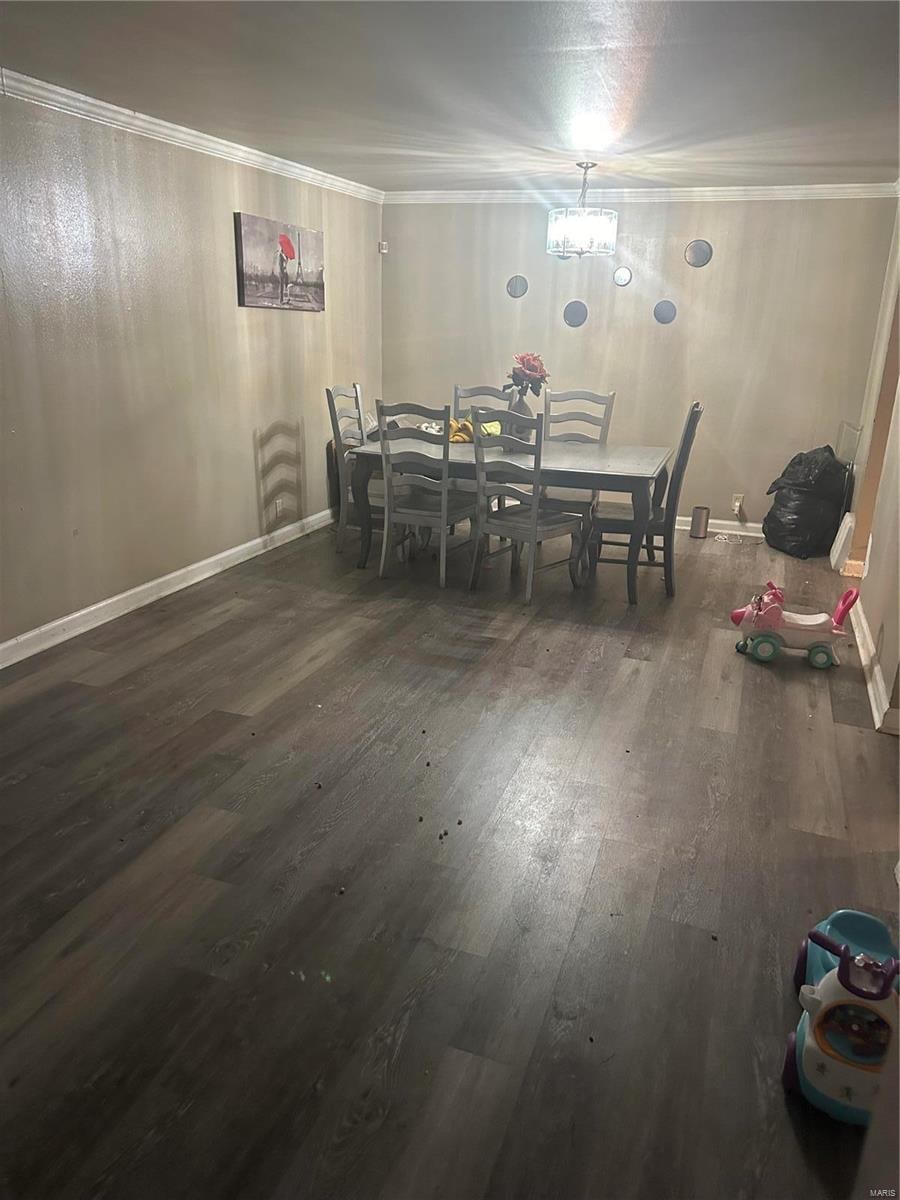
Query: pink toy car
x,y
769,627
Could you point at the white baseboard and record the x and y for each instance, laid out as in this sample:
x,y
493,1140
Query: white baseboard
x,y
879,700
840,547
749,529
63,628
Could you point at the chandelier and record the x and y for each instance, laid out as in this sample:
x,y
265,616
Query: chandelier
x,y
582,230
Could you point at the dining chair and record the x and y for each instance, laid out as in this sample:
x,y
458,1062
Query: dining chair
x,y
426,497
481,391
348,432
527,520
618,518
565,416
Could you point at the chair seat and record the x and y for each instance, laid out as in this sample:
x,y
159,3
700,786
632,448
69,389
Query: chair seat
x,y
610,517
550,523
421,502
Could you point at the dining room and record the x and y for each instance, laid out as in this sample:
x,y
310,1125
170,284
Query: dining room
x,y
449,621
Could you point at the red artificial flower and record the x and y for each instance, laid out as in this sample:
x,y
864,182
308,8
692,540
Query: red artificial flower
x,y
532,366
529,372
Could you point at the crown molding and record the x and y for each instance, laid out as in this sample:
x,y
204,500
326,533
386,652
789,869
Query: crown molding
x,y
49,95
652,195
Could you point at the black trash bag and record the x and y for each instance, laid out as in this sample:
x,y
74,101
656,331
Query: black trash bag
x,y
808,506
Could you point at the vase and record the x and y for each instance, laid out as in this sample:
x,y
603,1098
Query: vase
x,y
520,406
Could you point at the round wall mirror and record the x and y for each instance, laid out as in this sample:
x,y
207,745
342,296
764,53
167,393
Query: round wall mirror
x,y
622,276
697,253
664,311
517,286
575,313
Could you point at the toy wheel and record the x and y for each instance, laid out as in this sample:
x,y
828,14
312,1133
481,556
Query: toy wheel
x,y
800,965
741,647
790,1076
765,647
820,656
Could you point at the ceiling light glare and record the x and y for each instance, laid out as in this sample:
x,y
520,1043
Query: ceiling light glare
x,y
590,131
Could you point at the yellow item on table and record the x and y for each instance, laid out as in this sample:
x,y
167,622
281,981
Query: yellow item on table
x,y
463,431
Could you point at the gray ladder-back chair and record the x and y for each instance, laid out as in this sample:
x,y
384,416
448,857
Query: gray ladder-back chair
x,y
527,521
614,518
484,392
481,391
348,432
429,498
565,415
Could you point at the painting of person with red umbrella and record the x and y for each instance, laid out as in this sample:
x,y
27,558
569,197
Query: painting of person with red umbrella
x,y
279,265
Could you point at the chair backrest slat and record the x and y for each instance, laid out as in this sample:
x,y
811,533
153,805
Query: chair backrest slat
x,y
558,412
679,467
411,458
406,433
500,467
506,442
414,410
508,489
481,391
410,479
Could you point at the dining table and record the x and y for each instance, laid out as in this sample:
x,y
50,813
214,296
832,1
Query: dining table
x,y
588,467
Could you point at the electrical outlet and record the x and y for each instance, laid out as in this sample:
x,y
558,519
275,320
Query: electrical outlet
x,y
737,503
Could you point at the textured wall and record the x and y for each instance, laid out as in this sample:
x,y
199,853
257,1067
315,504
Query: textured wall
x,y
773,336
131,384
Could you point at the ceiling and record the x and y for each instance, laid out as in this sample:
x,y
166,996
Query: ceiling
x,y
412,96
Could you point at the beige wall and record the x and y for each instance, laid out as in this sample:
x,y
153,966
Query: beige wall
x,y
880,590
773,336
131,383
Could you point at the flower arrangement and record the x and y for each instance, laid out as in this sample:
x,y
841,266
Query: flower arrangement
x,y
529,373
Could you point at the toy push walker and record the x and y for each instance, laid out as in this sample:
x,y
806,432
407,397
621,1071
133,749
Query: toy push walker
x,y
768,628
845,977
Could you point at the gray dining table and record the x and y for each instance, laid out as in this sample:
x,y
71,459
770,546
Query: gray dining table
x,y
610,468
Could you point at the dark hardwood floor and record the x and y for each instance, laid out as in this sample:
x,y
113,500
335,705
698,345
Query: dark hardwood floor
x,y
317,886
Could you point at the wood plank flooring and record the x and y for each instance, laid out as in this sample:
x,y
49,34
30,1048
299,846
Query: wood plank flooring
x,y
317,886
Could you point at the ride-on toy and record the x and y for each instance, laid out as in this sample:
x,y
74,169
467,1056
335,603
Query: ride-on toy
x,y
769,628
845,976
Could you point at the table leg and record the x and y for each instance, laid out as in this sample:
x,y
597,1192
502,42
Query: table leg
x,y
640,502
359,486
